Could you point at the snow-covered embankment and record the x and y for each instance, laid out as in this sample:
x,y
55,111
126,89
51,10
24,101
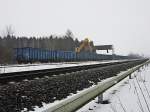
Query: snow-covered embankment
x,y
129,95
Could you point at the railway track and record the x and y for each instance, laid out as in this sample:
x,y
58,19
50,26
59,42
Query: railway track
x,y
25,95
18,76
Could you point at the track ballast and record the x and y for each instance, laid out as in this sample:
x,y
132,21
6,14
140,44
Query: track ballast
x,y
19,76
15,97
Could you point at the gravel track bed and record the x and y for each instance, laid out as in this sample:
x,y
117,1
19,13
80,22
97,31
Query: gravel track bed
x,y
14,97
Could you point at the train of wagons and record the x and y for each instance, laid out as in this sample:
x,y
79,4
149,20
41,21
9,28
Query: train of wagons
x,y
31,55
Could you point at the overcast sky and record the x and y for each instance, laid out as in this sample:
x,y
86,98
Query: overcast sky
x,y
123,23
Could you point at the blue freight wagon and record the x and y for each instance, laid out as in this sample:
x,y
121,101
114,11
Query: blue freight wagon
x,y
30,55
23,55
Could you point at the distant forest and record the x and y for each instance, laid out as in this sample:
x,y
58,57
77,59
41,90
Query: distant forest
x,y
66,42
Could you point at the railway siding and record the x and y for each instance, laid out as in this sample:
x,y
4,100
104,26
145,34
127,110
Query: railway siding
x,y
17,76
15,97
79,100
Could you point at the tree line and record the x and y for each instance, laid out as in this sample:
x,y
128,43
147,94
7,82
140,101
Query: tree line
x,y
66,42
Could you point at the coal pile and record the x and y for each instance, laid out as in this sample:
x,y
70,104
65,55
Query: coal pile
x,y
15,97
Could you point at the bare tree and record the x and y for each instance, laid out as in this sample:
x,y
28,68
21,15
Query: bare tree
x,y
69,33
9,31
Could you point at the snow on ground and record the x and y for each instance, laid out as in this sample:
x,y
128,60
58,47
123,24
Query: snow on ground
x,y
122,97
46,106
130,95
72,95
28,67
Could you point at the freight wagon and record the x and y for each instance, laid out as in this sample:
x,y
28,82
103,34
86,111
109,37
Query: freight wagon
x,y
30,55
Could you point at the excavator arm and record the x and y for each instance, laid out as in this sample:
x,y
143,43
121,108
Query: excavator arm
x,y
84,44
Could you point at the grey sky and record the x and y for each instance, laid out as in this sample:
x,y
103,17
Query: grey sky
x,y
124,23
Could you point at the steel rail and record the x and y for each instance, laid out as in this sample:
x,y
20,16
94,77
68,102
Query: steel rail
x,y
16,76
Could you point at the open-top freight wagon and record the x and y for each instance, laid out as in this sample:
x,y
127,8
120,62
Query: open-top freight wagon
x,y
30,55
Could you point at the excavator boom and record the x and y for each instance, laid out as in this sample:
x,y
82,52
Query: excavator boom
x,y
85,44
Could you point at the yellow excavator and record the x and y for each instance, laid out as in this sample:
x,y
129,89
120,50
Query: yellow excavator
x,y
85,46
